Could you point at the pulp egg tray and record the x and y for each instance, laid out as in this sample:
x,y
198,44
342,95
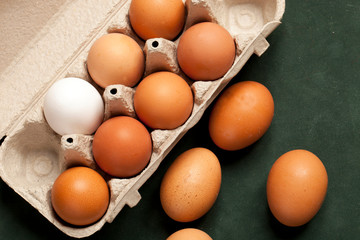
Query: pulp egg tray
x,y
32,155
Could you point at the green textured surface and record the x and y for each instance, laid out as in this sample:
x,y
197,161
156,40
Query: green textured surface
x,y
312,70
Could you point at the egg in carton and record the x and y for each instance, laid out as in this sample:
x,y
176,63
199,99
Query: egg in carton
x,y
33,155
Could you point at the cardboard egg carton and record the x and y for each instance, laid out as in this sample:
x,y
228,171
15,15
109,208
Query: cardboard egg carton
x,y
32,155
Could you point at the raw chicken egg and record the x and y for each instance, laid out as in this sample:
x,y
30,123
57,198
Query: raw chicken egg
x,y
157,18
116,58
80,196
189,234
73,106
122,146
241,115
206,51
191,185
163,100
296,187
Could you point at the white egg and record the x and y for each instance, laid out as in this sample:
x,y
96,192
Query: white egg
x,y
73,106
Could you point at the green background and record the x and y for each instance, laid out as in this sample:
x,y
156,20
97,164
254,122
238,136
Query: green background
x,y
312,70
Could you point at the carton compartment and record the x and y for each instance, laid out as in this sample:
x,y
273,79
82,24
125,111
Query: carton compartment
x,y
245,17
32,155
31,158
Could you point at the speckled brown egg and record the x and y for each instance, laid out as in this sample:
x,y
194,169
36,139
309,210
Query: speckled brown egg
x,y
191,185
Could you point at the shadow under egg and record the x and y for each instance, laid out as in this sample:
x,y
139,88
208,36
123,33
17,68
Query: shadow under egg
x,y
281,230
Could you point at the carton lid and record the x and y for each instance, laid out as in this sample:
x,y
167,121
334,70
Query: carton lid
x,y
47,57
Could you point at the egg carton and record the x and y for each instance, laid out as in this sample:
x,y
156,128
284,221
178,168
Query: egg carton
x,y
32,155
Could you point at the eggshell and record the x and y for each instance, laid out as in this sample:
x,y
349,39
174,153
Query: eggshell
x,y
191,185
80,196
157,18
122,146
189,234
206,51
73,106
296,187
116,58
241,115
163,100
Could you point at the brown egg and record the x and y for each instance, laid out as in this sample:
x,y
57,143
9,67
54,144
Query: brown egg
x,y
191,185
116,58
163,100
122,146
206,51
157,18
189,234
241,115
296,187
80,196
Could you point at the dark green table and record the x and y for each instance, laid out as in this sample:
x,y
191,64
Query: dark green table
x,y
312,69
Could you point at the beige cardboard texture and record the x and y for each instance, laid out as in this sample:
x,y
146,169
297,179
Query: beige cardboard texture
x,y
32,155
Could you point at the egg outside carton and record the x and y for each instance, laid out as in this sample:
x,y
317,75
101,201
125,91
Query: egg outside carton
x,y
32,155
